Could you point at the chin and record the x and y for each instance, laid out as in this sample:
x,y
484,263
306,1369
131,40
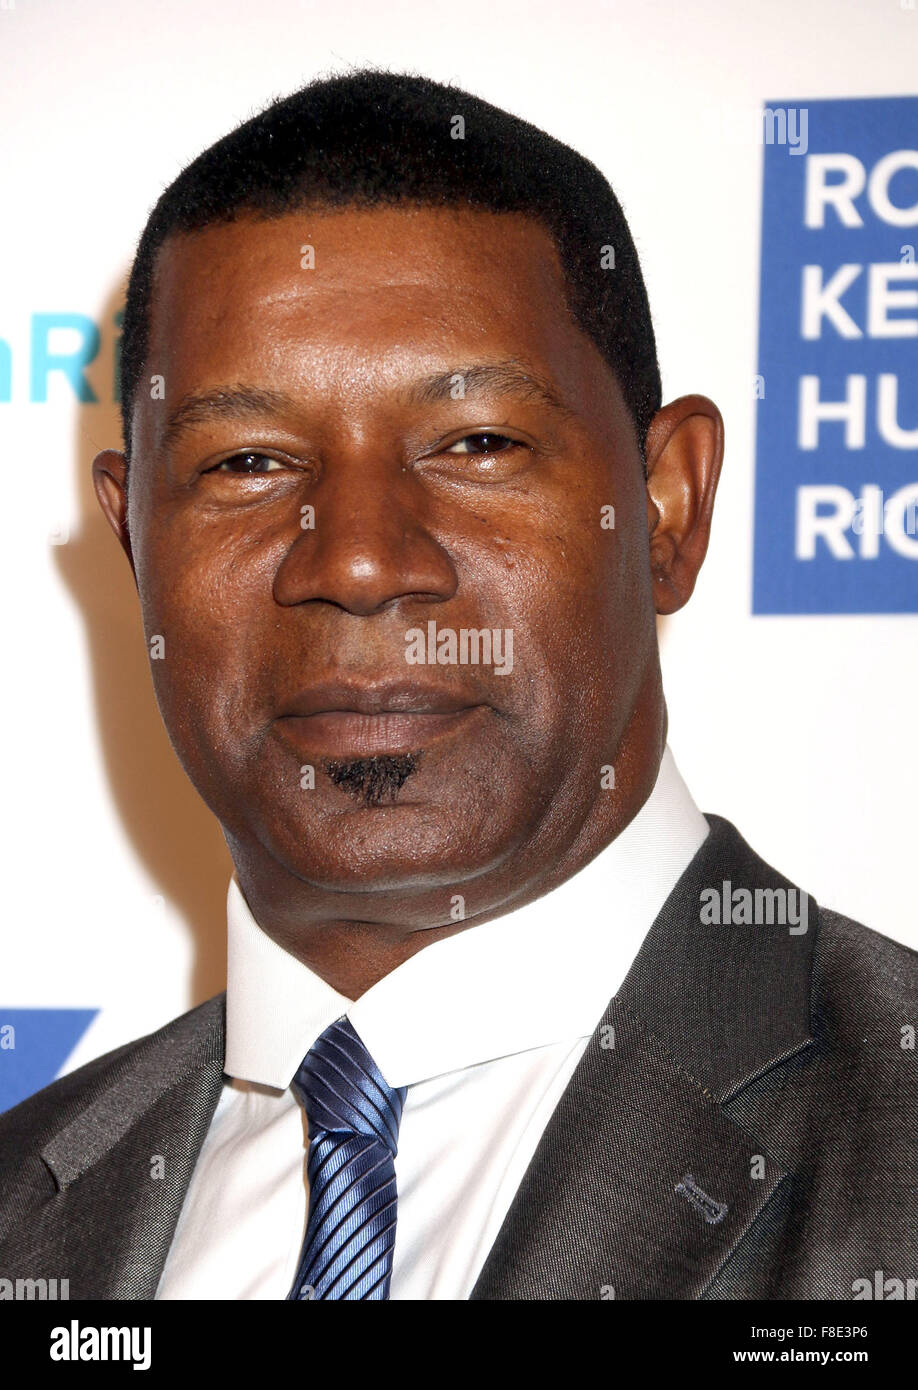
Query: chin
x,y
406,847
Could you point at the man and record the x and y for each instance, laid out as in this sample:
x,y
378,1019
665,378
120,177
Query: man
x,y
507,1017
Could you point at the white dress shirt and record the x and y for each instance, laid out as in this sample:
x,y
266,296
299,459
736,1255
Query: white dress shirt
x,y
484,1028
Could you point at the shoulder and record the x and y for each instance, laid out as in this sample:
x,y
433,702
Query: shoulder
x,y
871,975
865,1003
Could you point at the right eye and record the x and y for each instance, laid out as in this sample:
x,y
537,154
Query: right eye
x,y
247,463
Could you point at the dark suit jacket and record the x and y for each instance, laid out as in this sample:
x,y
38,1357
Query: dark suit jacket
x,y
752,1132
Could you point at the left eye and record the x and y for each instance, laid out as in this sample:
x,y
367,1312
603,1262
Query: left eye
x,y
485,443
247,463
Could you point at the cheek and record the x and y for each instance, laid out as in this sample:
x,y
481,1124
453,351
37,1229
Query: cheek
x,y
203,579
589,628
205,609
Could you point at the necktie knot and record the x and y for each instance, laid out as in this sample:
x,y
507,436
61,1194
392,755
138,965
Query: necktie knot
x,y
353,1116
343,1091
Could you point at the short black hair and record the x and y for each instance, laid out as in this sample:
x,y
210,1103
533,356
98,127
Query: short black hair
x,y
371,137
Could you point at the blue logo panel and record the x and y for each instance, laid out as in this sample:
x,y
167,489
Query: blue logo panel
x,y
836,490
34,1047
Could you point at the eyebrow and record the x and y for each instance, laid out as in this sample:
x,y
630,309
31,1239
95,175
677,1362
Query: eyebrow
x,y
226,403
506,378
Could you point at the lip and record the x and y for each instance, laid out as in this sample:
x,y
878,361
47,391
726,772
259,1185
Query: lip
x,y
338,719
383,697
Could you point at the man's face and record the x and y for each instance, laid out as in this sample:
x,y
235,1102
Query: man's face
x,y
423,389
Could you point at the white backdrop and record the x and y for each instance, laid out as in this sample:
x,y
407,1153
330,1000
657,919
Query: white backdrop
x,y
799,729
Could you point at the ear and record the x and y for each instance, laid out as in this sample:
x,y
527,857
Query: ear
x,y
684,451
109,478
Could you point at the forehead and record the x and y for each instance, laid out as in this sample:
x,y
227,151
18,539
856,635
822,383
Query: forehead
x,y
358,291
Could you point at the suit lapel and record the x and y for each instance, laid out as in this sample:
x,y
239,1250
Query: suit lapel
x,y
642,1186
121,1168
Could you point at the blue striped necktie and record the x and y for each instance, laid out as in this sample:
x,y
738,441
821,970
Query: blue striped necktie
x,y
353,1117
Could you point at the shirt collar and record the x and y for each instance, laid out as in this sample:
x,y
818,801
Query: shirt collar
x,y
540,974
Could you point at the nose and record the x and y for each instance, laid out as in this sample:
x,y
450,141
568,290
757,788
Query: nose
x,y
371,544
